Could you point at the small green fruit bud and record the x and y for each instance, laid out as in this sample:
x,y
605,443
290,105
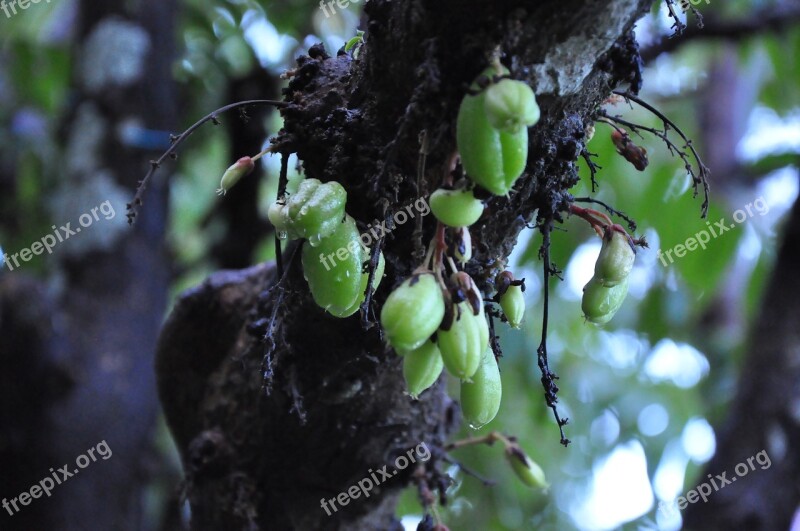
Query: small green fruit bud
x,y
456,208
616,258
600,303
236,171
511,105
480,398
463,344
513,304
526,469
413,311
422,367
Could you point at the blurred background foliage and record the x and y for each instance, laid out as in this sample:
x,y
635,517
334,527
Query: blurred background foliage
x,y
643,392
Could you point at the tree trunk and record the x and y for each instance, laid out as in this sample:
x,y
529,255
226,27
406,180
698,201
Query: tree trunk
x,y
765,415
261,452
90,346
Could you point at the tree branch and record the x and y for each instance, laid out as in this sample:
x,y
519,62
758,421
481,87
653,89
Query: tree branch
x,y
774,19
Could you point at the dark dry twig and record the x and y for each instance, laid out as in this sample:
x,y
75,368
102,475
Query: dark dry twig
x,y
177,141
699,176
548,376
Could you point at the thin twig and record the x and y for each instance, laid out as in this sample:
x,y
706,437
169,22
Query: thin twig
x,y
611,210
773,19
468,471
419,248
282,180
494,341
698,178
267,364
548,377
587,156
677,25
367,309
177,141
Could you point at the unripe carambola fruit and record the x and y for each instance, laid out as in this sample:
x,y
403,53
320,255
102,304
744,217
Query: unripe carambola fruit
x,y
422,367
616,258
313,212
483,327
480,398
492,158
464,343
456,208
376,281
513,304
335,284
511,105
413,311
526,469
600,303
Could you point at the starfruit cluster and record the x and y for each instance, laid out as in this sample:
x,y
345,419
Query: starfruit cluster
x,y
492,129
604,294
333,257
436,326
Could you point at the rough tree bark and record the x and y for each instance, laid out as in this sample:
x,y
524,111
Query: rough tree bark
x,y
260,454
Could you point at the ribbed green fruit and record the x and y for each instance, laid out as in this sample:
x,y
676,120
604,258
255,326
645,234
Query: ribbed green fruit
x,y
480,398
600,303
376,281
335,286
511,105
616,258
456,208
422,367
313,212
463,344
492,158
413,311
513,304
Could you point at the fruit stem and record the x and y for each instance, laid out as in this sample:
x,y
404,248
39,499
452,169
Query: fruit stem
x,y
428,256
488,439
440,245
266,150
452,264
449,168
